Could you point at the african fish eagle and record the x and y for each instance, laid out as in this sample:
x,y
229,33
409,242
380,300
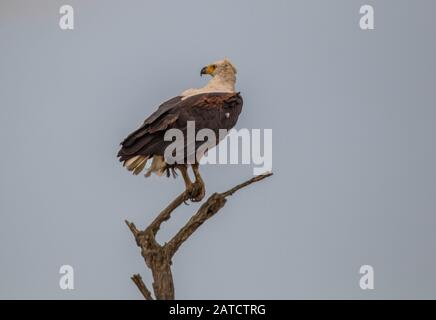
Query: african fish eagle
x,y
215,106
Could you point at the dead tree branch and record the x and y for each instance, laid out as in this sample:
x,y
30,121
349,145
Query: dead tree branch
x,y
137,279
158,257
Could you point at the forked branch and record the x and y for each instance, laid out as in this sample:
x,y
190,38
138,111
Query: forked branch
x,y
158,257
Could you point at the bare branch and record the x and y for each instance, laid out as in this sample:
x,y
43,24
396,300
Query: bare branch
x,y
166,213
246,183
134,231
212,205
158,257
137,279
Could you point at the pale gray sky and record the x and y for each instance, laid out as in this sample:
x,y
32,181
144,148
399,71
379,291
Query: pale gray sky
x,y
353,119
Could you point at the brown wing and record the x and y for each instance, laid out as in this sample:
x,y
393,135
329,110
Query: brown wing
x,y
209,110
163,109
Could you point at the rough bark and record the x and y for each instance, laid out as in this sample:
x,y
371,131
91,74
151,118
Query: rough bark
x,y
158,257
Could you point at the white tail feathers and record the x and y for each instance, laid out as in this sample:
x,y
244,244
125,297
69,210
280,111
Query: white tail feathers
x,y
129,162
158,166
137,163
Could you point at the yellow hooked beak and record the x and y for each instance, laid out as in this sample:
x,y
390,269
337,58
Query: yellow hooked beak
x,y
208,69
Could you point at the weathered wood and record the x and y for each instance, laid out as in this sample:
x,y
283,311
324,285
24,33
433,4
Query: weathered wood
x,y
158,257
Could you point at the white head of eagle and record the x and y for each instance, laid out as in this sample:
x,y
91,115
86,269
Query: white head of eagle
x,y
215,106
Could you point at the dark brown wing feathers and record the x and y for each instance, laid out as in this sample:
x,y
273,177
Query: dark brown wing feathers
x,y
209,110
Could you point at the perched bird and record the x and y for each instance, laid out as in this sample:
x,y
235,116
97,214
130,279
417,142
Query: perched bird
x,y
214,106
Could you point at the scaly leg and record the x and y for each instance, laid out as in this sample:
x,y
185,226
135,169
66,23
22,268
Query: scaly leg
x,y
191,188
184,171
199,184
